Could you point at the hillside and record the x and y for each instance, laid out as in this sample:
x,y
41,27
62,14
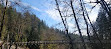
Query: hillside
x,y
23,27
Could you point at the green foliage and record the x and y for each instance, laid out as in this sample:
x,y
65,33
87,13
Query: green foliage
x,y
23,27
103,25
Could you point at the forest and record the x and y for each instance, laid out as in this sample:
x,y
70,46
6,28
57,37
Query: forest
x,y
25,26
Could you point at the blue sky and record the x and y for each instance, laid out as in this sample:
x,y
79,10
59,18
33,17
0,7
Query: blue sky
x,y
39,8
45,10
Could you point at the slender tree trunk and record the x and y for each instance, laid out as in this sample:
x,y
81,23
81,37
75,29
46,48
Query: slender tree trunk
x,y
85,20
71,43
71,2
2,22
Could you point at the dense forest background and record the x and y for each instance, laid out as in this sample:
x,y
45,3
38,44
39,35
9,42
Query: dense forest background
x,y
26,26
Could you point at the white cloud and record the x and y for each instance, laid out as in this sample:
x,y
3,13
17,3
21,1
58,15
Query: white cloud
x,y
107,0
35,8
93,4
70,25
25,4
94,15
53,14
89,0
92,12
93,0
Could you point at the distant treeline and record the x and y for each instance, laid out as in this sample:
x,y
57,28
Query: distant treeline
x,y
24,26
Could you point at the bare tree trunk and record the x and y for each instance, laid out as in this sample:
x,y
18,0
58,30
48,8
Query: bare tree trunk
x,y
2,22
71,44
71,2
95,32
85,20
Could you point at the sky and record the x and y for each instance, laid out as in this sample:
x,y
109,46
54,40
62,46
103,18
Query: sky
x,y
45,10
